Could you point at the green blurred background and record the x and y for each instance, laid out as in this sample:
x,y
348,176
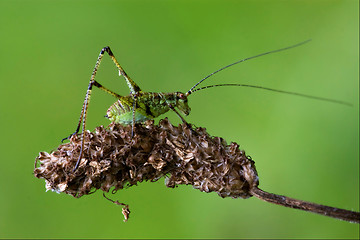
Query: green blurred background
x,y
303,148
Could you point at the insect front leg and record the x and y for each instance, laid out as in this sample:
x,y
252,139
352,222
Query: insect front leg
x,y
182,119
171,104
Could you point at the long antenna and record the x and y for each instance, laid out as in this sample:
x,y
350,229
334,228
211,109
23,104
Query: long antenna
x,y
243,60
275,90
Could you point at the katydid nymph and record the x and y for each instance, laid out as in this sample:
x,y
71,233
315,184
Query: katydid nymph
x,y
140,106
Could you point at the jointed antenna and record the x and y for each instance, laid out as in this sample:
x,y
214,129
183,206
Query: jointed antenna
x,y
275,90
194,89
243,60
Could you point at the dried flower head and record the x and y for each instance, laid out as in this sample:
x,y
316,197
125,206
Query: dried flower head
x,y
112,158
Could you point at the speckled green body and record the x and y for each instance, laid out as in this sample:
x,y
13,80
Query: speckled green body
x,y
149,105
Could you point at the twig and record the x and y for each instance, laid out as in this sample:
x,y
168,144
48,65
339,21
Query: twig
x,y
285,201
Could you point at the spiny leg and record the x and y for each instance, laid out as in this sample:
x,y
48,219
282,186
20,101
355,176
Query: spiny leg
x,y
84,113
132,85
134,88
182,119
133,115
179,115
173,108
98,85
93,82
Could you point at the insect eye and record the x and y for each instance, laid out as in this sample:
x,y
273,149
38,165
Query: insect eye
x,y
182,96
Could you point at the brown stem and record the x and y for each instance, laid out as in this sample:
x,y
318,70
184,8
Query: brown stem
x,y
338,213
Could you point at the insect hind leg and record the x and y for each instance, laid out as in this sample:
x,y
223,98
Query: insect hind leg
x,y
74,133
133,115
87,100
82,120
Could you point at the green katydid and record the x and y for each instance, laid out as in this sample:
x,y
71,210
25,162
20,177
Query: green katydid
x,y
140,106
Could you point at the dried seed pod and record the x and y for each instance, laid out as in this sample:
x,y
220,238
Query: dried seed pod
x,y
111,158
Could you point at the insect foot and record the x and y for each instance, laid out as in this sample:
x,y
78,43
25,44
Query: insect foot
x,y
112,159
62,140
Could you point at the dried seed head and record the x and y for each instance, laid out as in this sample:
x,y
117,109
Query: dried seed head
x,y
111,158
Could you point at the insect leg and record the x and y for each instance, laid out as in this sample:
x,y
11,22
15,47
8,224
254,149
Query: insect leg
x,y
133,115
83,115
182,119
173,108
82,121
92,83
134,88
96,84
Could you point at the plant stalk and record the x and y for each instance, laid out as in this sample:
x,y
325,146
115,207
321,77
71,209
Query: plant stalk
x,y
346,215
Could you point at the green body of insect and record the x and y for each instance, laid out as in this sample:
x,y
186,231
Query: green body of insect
x,y
140,106
148,105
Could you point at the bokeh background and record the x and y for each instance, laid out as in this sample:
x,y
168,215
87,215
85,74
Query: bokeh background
x,y
303,148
